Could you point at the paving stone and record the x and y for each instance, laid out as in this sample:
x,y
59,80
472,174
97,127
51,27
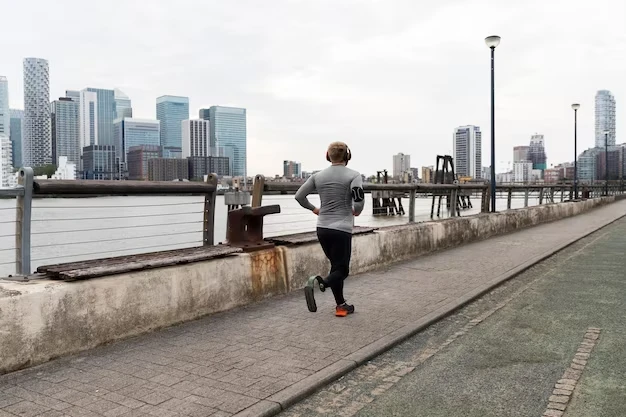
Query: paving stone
x,y
26,409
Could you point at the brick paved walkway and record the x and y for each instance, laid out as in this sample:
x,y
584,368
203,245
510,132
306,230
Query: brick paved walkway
x,y
222,364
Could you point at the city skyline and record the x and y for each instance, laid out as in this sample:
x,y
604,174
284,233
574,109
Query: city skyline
x,y
325,80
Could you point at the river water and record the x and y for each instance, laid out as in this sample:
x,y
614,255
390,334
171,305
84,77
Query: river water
x,y
67,230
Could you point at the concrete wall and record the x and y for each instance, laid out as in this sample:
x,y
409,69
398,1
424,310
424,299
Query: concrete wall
x,y
42,319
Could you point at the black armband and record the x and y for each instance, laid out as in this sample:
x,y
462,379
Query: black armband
x,y
358,194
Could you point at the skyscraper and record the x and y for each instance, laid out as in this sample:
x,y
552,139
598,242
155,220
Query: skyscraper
x,y
196,136
88,119
123,106
467,150
537,152
106,114
205,114
401,163
36,135
17,121
171,111
605,117
5,116
228,131
520,153
6,154
130,132
65,115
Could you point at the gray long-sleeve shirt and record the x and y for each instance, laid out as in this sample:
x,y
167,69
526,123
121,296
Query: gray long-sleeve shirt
x,y
340,190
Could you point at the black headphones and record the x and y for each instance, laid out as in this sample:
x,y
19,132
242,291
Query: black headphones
x,y
346,156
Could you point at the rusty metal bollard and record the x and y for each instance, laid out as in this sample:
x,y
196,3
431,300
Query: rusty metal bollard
x,y
245,227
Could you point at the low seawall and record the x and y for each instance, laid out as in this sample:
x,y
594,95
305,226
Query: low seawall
x,y
42,319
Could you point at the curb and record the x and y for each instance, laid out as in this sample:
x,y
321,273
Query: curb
x,y
287,397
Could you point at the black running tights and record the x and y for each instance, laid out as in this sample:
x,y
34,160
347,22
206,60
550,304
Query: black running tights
x,y
337,246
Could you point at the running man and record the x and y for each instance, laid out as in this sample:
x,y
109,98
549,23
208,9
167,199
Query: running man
x,y
341,196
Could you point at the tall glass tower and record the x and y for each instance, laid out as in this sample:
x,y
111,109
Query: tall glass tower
x,y
17,121
5,116
105,105
66,130
228,131
123,106
37,133
171,111
605,117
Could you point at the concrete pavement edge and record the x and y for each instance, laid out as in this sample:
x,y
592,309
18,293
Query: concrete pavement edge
x,y
276,403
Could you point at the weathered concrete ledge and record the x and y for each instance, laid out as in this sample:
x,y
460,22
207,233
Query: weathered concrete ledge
x,y
42,319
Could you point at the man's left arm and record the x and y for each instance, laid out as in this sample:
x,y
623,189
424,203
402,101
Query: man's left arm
x,y
358,195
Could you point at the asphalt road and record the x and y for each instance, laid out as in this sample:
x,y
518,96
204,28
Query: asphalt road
x,y
503,354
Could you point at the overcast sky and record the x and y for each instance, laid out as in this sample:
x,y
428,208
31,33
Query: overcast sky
x,y
385,76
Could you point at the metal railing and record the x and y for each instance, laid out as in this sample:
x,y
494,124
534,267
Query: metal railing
x,y
28,187
77,223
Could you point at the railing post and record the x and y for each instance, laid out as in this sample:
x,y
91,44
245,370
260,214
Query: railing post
x,y
453,200
541,196
412,205
485,200
24,206
526,193
257,190
509,198
209,212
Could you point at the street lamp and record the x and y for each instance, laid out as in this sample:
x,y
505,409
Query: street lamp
x,y
606,162
575,106
492,42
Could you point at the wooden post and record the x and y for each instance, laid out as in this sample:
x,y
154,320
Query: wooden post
x,y
526,193
412,206
509,198
541,196
257,190
484,201
453,203
209,212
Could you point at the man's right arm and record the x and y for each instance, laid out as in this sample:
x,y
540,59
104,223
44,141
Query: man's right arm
x,y
301,195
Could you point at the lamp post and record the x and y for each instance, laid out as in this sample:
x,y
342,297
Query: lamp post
x,y
606,162
575,106
492,42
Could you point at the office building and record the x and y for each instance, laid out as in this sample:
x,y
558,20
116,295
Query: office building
x,y
537,152
520,153
168,169
104,114
522,171
17,121
401,163
196,136
65,122
605,118
171,111
129,132
587,165
6,162
467,150
199,166
137,160
427,174
204,114
36,133
552,175
614,156
229,131
100,163
88,119
5,113
73,94
123,106
292,169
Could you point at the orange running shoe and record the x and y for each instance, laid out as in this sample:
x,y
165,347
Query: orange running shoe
x,y
343,310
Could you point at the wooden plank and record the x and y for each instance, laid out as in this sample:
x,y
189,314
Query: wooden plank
x,y
195,254
142,265
309,237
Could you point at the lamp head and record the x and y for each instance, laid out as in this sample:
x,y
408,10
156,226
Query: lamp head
x,y
575,106
492,41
